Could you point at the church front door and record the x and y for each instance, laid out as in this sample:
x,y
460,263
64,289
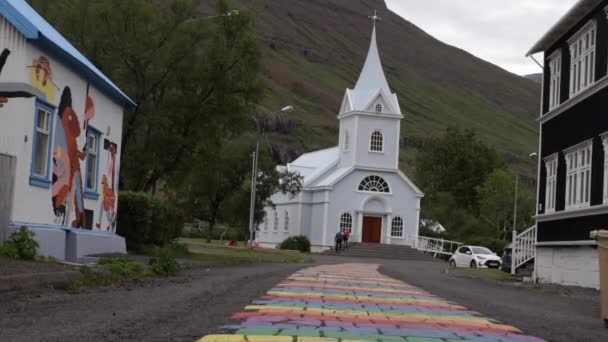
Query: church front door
x,y
372,229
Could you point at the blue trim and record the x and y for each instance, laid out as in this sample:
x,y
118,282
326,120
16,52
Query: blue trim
x,y
37,180
58,227
94,192
16,18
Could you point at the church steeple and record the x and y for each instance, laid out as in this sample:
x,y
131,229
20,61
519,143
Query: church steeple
x,y
372,85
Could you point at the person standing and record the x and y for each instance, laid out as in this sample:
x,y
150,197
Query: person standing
x,y
339,237
345,237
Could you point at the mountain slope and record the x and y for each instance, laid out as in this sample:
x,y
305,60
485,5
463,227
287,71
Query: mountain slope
x,y
314,49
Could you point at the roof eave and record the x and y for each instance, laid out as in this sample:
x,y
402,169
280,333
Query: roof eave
x,y
567,21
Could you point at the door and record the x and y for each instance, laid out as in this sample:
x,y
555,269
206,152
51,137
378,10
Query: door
x,y
7,181
372,229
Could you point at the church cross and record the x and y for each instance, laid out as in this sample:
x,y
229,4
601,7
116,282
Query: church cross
x,y
375,17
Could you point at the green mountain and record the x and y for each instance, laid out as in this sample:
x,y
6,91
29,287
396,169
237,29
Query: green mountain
x,y
315,49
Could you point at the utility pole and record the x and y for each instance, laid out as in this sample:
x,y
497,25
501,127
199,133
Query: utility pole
x,y
515,203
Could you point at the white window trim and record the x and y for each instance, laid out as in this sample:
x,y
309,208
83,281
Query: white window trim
x,y
374,192
604,137
286,225
46,131
380,107
393,227
346,141
370,141
551,166
275,224
581,175
266,222
577,84
555,79
352,220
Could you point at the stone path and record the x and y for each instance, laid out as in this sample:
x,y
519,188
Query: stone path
x,y
354,302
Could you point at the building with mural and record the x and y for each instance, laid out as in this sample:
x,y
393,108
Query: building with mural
x,y
60,139
356,185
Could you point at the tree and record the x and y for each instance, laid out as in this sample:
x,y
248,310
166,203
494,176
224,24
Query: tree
x,y
496,203
456,163
193,78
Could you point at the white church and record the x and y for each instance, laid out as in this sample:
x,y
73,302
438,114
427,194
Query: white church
x,y
356,185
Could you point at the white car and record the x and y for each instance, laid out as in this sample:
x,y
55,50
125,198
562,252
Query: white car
x,y
475,256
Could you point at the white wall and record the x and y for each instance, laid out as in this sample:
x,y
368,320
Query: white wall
x,y
574,266
32,203
389,126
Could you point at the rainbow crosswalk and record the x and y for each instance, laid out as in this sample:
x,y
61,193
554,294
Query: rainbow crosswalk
x,y
354,302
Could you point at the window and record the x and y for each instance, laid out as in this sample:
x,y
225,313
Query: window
x,y
551,168
374,184
605,143
555,70
92,163
41,152
582,59
346,141
346,222
578,176
275,227
376,142
286,227
266,222
379,108
397,227
464,250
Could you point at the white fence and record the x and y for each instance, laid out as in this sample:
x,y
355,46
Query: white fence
x,y
523,248
438,246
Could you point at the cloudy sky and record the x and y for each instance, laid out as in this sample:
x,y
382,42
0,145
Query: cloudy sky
x,y
499,31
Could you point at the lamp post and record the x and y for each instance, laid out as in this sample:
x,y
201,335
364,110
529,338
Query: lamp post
x,y
254,171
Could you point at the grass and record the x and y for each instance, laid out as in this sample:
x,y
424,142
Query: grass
x,y
485,273
214,242
223,255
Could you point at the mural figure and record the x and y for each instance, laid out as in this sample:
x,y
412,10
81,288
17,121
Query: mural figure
x,y
41,77
3,58
67,190
108,191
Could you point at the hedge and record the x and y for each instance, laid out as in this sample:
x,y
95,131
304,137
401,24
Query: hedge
x,y
296,243
146,220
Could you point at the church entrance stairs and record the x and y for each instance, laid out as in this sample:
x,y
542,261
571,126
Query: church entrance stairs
x,y
380,251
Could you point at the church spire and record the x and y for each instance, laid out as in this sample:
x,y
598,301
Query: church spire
x,y
372,76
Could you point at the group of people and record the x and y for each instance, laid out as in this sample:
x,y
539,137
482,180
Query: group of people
x,y
341,239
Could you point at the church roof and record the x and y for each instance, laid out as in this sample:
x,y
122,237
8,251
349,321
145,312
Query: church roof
x,y
371,83
313,164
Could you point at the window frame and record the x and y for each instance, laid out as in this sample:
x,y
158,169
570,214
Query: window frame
x,y
346,141
579,174
551,166
395,226
372,144
379,107
286,222
42,181
92,193
583,58
266,219
346,220
555,79
275,224
367,179
604,137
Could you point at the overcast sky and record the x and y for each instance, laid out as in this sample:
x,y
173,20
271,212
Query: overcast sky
x,y
498,31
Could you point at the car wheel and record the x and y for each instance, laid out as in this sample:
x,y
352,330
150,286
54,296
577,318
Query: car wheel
x,y
452,264
473,264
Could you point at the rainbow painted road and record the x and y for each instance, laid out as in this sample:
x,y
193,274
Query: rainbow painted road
x,y
354,302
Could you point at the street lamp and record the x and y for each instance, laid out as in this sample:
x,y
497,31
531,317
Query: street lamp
x,y
254,171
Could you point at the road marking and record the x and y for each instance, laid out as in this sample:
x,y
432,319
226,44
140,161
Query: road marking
x,y
355,303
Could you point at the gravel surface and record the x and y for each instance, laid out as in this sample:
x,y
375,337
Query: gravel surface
x,y
196,303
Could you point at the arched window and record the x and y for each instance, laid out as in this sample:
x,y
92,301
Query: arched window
x,y
374,184
276,221
379,108
286,227
397,227
346,222
376,142
346,141
266,219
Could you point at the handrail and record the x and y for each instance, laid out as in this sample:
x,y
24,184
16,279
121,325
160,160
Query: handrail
x,y
523,249
438,246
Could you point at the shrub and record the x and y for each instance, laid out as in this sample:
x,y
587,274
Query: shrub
x,y
121,268
20,245
164,263
296,243
143,220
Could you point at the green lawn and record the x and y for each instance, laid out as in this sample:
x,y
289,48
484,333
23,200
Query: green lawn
x,y
486,273
223,255
215,242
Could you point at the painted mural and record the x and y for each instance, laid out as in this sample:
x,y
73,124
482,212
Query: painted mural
x,y
108,190
3,58
41,77
355,302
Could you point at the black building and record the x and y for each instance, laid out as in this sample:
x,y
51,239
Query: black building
x,y
573,188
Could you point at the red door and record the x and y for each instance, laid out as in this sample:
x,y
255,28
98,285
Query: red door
x,y
372,229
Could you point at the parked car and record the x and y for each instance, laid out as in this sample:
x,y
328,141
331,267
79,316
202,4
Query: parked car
x,y
475,256
506,260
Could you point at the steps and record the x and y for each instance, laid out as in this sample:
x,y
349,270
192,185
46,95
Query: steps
x,y
373,250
